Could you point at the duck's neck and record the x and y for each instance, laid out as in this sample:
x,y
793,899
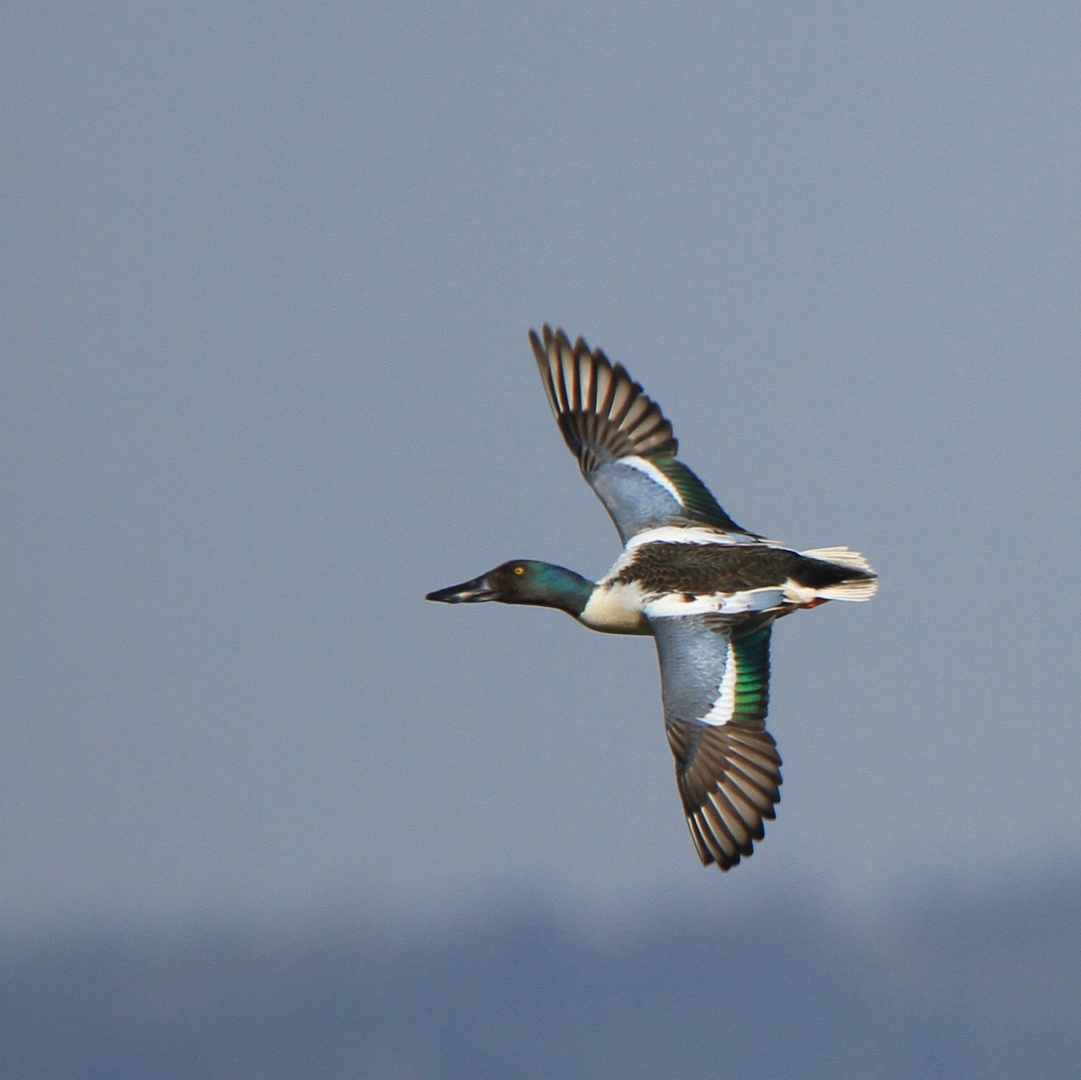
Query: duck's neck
x,y
561,588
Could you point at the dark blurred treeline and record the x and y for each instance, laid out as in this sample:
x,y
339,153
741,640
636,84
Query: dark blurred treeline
x,y
986,984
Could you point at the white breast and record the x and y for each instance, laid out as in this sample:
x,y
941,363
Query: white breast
x,y
616,609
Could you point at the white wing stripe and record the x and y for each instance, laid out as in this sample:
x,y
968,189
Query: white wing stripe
x,y
655,474
724,705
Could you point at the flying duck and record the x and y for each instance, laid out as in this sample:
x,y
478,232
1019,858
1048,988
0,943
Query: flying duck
x,y
707,590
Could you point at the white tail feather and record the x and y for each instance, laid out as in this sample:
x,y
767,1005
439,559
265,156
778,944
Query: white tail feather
x,y
861,589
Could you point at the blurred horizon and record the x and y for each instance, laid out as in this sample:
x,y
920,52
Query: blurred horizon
x,y
983,983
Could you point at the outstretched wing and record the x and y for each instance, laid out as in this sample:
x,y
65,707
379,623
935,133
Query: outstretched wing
x,y
623,443
715,685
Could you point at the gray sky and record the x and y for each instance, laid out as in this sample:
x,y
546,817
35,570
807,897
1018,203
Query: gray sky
x,y
269,271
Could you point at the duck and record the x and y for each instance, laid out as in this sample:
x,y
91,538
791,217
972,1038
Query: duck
x,y
705,588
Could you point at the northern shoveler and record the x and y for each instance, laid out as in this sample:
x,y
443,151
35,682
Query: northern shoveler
x,y
708,590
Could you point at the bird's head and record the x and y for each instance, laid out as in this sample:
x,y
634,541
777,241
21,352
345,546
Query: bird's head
x,y
522,581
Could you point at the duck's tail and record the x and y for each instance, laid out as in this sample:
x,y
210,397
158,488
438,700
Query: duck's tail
x,y
864,581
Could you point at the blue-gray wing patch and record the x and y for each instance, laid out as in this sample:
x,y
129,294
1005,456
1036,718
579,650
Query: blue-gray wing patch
x,y
624,445
715,686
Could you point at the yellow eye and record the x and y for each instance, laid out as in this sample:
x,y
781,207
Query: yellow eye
x,y
519,570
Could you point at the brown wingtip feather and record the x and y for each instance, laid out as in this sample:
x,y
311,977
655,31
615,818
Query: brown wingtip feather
x,y
602,412
729,779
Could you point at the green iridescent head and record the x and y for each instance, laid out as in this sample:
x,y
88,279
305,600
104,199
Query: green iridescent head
x,y
522,581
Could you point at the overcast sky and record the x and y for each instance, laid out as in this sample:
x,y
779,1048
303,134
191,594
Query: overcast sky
x,y
269,271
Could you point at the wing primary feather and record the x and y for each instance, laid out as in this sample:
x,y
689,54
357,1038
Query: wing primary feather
x,y
720,828
541,355
721,846
604,403
575,396
705,854
621,399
